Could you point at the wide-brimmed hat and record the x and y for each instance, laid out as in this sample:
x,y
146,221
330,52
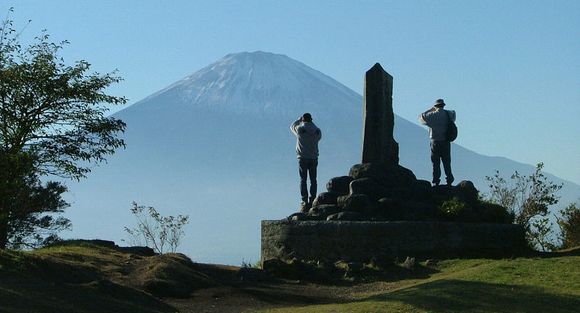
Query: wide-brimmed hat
x,y
439,103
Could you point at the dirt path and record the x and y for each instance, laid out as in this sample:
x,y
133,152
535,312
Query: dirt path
x,y
267,295
237,299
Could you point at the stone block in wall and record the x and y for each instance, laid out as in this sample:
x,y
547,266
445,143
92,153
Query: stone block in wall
x,y
339,185
345,216
367,186
324,210
355,203
365,240
387,174
325,198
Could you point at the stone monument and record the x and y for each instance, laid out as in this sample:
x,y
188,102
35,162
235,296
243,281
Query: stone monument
x,y
381,210
379,144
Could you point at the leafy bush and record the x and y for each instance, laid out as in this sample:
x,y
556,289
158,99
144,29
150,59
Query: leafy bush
x,y
528,199
494,213
249,264
155,230
457,210
569,224
452,209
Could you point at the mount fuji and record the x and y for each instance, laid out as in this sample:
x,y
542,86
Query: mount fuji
x,y
216,145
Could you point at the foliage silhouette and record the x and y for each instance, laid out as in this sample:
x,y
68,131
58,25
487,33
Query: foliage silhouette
x,y
52,122
569,223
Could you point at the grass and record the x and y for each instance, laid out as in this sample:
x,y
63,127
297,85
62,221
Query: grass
x,y
480,285
87,277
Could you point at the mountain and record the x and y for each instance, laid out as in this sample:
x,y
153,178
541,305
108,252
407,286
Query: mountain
x,y
258,83
216,145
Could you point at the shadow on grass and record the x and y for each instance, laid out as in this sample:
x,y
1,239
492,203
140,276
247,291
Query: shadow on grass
x,y
467,296
277,291
346,274
33,285
575,251
30,295
274,295
394,273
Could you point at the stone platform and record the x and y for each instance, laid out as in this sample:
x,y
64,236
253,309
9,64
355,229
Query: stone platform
x,y
364,240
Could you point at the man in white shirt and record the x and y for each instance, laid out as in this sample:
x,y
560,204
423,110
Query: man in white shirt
x,y
437,119
307,137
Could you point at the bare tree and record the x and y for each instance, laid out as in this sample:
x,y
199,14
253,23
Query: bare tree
x,y
156,231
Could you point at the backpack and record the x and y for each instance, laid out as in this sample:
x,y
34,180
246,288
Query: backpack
x,y
451,133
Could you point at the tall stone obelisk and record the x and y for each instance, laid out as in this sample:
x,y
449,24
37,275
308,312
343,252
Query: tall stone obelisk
x,y
379,145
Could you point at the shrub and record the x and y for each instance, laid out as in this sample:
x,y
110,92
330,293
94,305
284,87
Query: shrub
x,y
528,199
494,213
569,223
249,264
155,230
452,209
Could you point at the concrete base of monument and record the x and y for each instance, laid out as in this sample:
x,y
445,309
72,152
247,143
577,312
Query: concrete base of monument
x,y
365,240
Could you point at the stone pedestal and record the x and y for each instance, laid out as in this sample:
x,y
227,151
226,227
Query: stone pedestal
x,y
362,240
343,222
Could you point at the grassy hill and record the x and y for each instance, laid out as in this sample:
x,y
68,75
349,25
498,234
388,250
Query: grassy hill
x,y
95,276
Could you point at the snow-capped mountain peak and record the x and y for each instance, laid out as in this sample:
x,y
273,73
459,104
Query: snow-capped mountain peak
x,y
259,83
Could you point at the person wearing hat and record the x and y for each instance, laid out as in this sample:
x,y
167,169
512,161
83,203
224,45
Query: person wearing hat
x,y
307,137
437,119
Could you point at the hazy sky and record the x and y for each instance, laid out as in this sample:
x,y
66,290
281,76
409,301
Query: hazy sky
x,y
511,69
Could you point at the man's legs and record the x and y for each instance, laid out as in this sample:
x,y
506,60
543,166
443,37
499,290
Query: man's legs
x,y
435,160
446,158
312,169
303,170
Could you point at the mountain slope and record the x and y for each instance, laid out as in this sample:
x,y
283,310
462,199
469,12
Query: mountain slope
x,y
217,146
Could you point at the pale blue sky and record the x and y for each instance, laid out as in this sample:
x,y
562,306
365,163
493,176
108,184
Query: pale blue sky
x,y
511,69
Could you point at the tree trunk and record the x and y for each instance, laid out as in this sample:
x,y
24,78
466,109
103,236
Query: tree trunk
x,y
3,233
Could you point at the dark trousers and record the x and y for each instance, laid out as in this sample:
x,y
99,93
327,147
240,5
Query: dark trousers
x,y
441,151
307,167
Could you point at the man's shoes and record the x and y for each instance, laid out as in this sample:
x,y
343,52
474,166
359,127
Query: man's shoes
x,y
305,207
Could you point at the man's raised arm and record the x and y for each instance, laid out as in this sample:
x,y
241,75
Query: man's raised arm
x,y
423,116
294,126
